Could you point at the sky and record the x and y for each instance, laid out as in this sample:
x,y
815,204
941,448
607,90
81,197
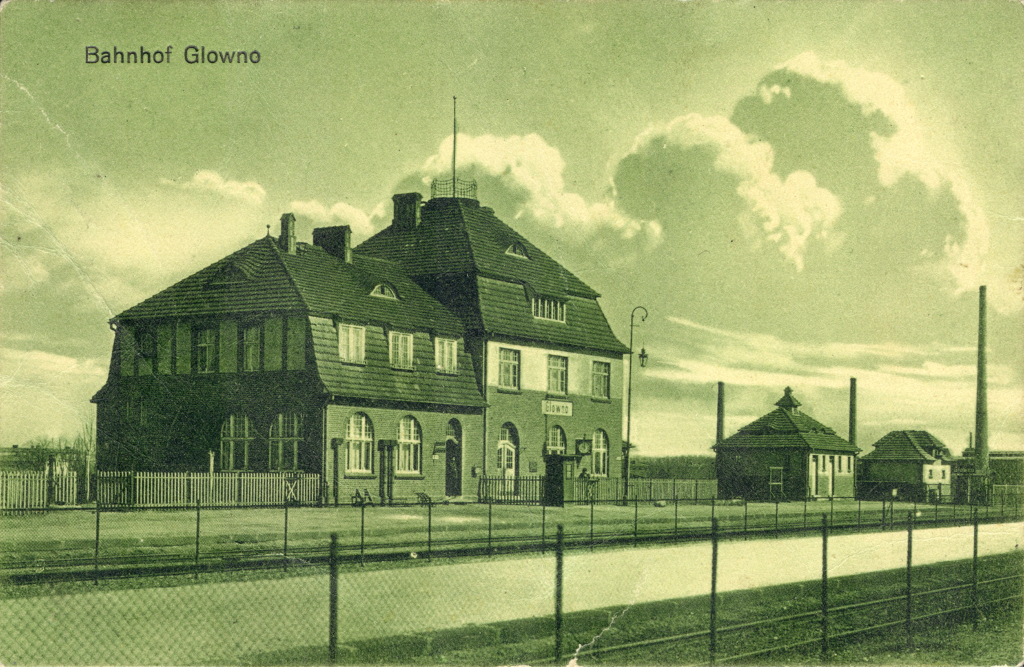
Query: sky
x,y
798,193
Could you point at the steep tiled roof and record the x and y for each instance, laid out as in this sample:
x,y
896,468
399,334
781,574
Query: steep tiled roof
x,y
252,279
909,446
788,427
459,237
261,278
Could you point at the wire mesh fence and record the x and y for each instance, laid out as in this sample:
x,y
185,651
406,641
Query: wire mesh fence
x,y
334,611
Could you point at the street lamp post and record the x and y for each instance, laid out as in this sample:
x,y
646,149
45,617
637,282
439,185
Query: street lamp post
x,y
629,403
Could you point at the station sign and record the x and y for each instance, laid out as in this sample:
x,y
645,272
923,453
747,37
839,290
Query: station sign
x,y
556,408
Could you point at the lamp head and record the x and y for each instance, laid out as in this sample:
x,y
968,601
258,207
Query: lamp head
x,y
643,357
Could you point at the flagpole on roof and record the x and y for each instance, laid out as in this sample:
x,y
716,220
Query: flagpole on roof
x,y
455,131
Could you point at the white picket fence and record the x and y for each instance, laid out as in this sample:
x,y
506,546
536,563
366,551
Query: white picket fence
x,y
36,490
184,489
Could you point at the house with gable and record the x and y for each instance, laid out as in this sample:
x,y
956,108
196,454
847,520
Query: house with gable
x,y
914,464
443,350
547,363
286,356
785,455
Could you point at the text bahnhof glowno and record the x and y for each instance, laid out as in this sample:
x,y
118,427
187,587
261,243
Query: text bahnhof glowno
x,y
192,55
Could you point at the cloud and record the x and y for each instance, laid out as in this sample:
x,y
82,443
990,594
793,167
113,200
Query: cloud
x,y
249,192
905,150
338,214
786,211
529,171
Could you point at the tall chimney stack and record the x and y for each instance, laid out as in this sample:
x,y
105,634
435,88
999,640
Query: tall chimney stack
x,y
720,424
853,411
287,239
981,407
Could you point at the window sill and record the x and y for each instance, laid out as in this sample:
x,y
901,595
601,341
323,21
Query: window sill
x,y
408,369
361,364
508,390
448,373
597,399
556,397
409,475
360,475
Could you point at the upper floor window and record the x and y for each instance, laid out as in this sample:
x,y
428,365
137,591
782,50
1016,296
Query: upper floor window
x,y
206,351
352,343
251,336
400,347
558,374
517,250
601,379
556,440
384,290
446,355
285,436
548,309
146,343
508,368
410,445
360,444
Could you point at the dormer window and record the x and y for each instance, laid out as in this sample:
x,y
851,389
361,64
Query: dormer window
x,y
517,250
384,290
548,309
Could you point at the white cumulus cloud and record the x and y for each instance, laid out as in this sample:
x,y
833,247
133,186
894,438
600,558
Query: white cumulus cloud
x,y
340,213
210,181
908,151
788,212
530,167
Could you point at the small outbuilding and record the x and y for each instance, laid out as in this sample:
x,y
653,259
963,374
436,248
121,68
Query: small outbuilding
x,y
907,465
785,455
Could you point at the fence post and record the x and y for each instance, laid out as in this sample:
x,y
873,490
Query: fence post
x,y
362,533
824,588
805,512
430,530
974,574
559,555
910,553
591,524
714,587
744,518
675,525
286,535
636,516
197,536
490,507
96,553
332,623
543,525
832,511
858,515
776,518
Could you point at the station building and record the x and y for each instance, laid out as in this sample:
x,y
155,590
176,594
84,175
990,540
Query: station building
x,y
445,349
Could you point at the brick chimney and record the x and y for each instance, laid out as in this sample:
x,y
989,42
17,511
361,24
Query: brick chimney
x,y
407,210
335,240
287,239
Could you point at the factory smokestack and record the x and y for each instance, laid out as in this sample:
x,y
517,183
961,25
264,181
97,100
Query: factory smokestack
x,y
720,425
981,407
853,411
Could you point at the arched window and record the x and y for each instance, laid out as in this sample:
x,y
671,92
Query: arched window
x,y
384,290
556,440
508,450
410,446
285,436
600,453
359,444
236,434
453,432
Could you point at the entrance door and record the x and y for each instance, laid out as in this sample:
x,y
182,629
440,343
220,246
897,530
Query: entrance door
x,y
508,459
453,460
554,481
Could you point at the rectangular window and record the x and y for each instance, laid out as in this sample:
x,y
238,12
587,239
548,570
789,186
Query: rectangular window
x,y
251,339
508,368
410,439
446,355
548,309
840,462
352,343
400,345
943,473
931,473
206,351
601,379
558,374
